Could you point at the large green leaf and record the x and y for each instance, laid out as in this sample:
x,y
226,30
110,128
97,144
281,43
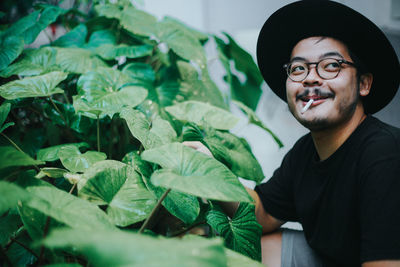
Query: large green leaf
x,y
192,172
34,62
9,224
67,209
239,260
242,233
150,134
101,37
9,156
109,51
109,10
188,30
235,153
183,206
75,38
30,26
182,41
11,194
77,60
119,186
108,248
193,87
109,91
51,153
254,119
75,161
10,48
203,114
38,86
138,21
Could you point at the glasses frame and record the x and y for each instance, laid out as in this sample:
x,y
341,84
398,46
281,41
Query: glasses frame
x,y
340,61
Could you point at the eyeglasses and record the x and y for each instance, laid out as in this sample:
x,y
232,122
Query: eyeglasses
x,y
327,68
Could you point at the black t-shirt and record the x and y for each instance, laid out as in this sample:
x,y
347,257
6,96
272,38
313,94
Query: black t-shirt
x,y
348,204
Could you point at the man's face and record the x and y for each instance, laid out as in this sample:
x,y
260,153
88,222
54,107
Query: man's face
x,y
335,100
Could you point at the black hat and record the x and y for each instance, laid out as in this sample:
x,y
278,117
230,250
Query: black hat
x,y
303,19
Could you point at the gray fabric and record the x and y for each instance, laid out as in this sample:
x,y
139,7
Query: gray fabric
x,y
296,252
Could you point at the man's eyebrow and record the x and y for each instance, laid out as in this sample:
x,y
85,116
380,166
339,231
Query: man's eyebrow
x,y
330,54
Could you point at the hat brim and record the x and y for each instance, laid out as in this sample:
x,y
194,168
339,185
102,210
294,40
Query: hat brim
x,y
303,19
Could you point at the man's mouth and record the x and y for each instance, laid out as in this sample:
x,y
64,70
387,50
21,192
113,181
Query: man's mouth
x,y
315,96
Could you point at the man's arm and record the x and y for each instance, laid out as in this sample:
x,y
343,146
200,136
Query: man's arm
x,y
384,263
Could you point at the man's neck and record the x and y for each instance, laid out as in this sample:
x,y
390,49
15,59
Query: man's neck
x,y
328,141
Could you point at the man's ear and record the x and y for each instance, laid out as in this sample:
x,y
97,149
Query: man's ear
x,y
365,84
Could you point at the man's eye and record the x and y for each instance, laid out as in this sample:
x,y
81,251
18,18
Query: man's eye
x,y
332,66
297,69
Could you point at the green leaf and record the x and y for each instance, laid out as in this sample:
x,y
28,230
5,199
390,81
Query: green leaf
x,y
51,153
75,161
181,41
120,187
4,110
12,157
140,71
34,62
254,119
10,195
203,114
101,37
188,30
239,260
242,233
138,21
77,60
192,172
247,92
9,224
108,91
10,48
5,126
109,10
108,248
197,88
74,38
38,86
109,51
67,209
151,135
236,154
51,172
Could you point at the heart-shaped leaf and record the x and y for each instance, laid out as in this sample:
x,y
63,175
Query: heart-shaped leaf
x,y
99,38
4,110
9,156
51,172
51,153
120,187
67,209
10,48
118,248
109,10
151,135
38,86
34,62
75,161
192,172
242,233
107,91
181,41
11,194
77,60
140,71
235,153
203,114
109,51
138,21
74,38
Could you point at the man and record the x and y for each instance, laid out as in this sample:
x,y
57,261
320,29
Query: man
x,y
341,181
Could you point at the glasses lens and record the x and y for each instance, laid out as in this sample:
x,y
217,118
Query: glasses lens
x,y
328,68
297,71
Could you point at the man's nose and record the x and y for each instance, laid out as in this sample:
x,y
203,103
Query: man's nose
x,y
312,76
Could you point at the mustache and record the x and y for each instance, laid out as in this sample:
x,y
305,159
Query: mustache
x,y
316,92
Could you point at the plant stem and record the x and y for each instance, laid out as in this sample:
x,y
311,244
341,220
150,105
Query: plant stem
x,y
18,148
72,189
187,229
59,112
66,98
154,211
25,247
98,133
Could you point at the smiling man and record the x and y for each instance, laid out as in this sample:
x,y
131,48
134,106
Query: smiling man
x,y
341,181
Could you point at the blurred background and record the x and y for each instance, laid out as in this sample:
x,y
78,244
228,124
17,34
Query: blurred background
x,y
243,21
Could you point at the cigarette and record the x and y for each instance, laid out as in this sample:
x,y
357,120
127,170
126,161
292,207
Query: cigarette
x,y
307,106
